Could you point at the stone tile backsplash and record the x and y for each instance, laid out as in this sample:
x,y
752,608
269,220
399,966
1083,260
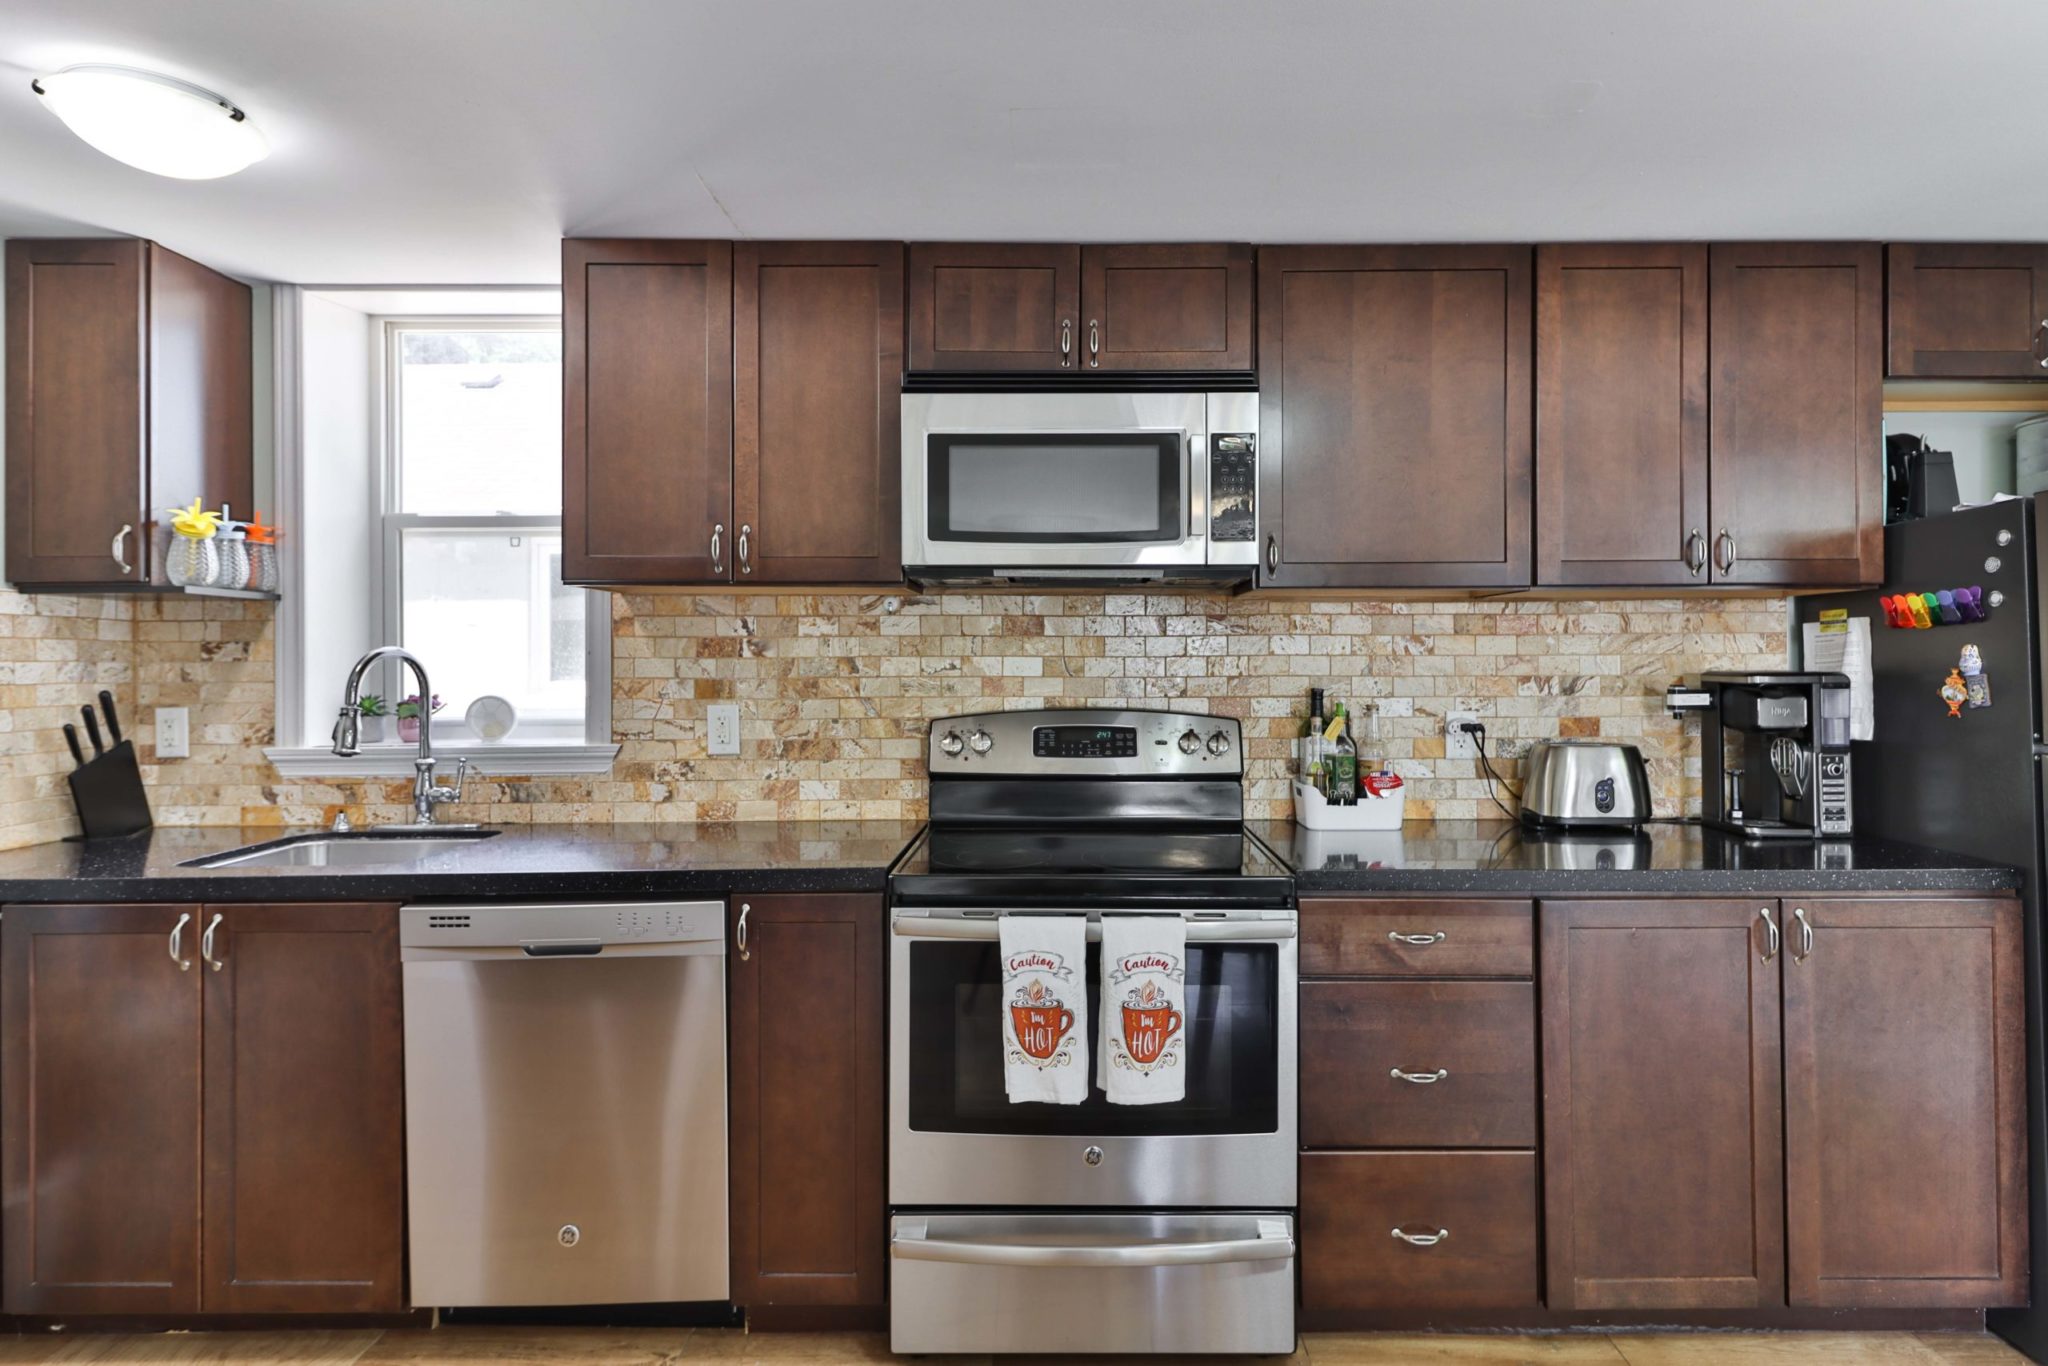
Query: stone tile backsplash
x,y
836,691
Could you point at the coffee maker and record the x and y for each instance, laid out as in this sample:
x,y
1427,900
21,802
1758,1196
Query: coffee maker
x,y
1775,755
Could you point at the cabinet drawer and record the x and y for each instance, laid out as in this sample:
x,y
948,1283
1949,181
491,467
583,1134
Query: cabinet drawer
x,y
1483,1205
1417,938
1477,1038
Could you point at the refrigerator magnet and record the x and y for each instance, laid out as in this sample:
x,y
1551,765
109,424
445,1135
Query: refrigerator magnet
x,y
1954,692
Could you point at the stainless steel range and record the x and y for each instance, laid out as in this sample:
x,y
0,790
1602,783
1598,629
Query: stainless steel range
x,y
1091,1227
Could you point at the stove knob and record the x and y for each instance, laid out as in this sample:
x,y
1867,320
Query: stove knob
x,y
981,742
951,744
1219,744
1190,742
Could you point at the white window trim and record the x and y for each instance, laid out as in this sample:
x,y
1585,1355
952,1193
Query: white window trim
x,y
546,758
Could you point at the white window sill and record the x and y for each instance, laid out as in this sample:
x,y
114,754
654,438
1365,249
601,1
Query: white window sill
x,y
486,760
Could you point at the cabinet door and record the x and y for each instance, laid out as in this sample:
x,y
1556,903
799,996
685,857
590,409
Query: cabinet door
x,y
808,1072
994,306
646,412
99,1096
201,367
305,1110
1968,311
1621,415
76,456
1394,408
1905,1104
1469,1220
817,412
1797,439
1184,307
1663,1180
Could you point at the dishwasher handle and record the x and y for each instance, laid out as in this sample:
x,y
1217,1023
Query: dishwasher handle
x,y
561,948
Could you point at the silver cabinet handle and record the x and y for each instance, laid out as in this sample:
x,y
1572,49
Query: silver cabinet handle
x,y
2041,344
1273,555
1422,1078
718,547
1422,1239
177,938
120,547
206,943
1419,941
1066,342
1770,935
1094,345
1805,935
1724,551
1695,552
746,559
740,934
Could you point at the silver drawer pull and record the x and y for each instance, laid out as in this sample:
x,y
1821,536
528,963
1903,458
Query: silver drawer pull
x,y
1419,941
1423,1239
1422,1078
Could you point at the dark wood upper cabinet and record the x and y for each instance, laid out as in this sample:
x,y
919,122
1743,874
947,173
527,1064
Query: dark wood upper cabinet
x,y
1796,414
100,1106
647,412
994,306
817,412
305,1110
1905,1104
1663,1184
1967,310
1394,413
1179,307
1621,415
128,392
809,1203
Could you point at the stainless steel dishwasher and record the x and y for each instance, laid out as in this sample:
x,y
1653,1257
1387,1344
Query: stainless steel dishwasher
x,y
565,1102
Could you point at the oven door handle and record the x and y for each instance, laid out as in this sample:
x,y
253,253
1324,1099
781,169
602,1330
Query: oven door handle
x,y
1199,931
1273,1244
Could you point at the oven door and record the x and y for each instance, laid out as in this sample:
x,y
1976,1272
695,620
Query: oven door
x,y
956,1139
1035,481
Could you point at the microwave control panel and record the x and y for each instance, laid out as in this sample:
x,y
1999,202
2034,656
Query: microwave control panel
x,y
1233,486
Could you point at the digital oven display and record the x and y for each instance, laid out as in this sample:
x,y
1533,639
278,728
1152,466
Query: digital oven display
x,y
1085,742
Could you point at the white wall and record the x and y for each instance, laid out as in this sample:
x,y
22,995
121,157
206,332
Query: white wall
x,y
337,582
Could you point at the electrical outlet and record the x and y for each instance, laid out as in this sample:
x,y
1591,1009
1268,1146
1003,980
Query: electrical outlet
x,y
723,728
173,733
1458,744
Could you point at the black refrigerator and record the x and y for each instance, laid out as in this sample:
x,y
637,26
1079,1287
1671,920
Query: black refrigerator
x,y
1972,784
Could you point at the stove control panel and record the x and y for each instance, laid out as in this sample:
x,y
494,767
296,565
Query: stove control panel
x,y
1066,742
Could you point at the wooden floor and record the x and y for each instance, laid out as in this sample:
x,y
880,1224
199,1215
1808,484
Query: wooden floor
x,y
660,1346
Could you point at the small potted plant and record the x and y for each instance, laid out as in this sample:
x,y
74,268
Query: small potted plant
x,y
409,713
370,717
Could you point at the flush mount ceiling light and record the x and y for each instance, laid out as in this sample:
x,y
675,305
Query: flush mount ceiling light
x,y
154,123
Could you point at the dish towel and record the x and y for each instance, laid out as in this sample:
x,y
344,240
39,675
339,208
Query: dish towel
x,y
1045,1000
1144,997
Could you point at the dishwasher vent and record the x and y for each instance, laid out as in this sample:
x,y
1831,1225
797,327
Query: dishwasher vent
x,y
447,922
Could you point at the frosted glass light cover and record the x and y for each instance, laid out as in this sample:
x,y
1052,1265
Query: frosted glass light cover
x,y
153,123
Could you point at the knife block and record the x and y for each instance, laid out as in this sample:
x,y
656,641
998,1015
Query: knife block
x,y
108,791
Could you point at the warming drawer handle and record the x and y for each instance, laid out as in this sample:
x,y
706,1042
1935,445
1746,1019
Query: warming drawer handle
x,y
1265,1248
563,948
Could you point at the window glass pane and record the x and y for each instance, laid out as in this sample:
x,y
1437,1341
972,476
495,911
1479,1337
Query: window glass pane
x,y
487,612
479,421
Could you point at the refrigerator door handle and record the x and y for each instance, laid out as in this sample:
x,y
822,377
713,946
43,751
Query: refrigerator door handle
x,y
2040,750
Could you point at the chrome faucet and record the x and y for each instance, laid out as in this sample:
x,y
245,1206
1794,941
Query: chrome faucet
x,y
425,794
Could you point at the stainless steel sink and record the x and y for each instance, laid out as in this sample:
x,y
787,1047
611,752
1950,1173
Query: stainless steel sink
x,y
357,849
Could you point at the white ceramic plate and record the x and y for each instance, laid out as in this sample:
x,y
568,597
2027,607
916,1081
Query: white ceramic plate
x,y
491,718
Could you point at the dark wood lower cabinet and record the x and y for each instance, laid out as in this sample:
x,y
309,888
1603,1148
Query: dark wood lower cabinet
x,y
305,1111
809,1197
99,1101
1419,1230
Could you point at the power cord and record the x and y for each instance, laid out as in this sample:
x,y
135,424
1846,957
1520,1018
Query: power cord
x,y
1493,780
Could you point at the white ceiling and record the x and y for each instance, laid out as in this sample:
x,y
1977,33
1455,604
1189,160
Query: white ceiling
x,y
454,141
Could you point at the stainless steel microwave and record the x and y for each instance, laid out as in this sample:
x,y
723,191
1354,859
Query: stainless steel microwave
x,y
1080,488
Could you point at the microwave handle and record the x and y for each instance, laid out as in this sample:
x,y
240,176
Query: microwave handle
x,y
1198,507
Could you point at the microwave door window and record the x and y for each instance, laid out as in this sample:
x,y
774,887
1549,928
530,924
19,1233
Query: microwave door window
x,y
1057,487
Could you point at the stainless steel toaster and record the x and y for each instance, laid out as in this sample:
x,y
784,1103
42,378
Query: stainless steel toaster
x,y
1584,782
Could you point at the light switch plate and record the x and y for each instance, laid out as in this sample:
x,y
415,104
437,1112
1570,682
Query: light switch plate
x,y
723,728
173,733
1457,744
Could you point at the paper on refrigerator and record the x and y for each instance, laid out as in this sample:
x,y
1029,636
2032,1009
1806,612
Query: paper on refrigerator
x,y
1840,643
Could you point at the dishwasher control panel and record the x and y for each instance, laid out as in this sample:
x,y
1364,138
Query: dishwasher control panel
x,y
560,929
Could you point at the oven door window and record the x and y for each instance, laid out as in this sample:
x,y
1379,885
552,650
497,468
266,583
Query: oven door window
x,y
1069,488
1232,1054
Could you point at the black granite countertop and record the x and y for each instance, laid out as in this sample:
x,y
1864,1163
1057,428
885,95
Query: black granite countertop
x,y
1453,857
522,861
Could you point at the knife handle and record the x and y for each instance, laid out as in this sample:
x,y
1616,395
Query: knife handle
x,y
71,739
113,719
92,731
